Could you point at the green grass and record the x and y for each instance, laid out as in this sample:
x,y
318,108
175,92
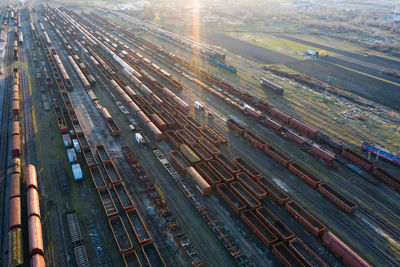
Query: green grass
x,y
286,47
340,44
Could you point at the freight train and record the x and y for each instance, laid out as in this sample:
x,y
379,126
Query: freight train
x,y
296,124
35,238
271,85
178,40
230,191
21,38
207,53
381,152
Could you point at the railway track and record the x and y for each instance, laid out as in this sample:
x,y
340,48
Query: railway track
x,y
318,208
365,191
371,202
95,137
381,223
249,152
4,155
158,237
30,152
315,114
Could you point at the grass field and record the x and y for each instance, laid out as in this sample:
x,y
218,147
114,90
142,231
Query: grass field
x,y
289,48
340,44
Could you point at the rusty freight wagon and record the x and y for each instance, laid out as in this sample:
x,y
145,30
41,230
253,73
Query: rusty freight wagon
x,y
304,174
185,136
278,155
235,126
230,198
209,175
342,251
167,119
15,166
213,136
201,152
260,229
387,178
305,129
290,135
102,153
322,153
273,190
89,157
256,140
112,173
111,124
280,115
131,259
250,200
227,163
15,128
174,139
247,168
14,217
179,160
267,122
15,185
358,159
15,145
193,131
251,185
97,177
160,123
309,222
285,256
138,227
208,146
221,171
121,236
339,199
82,141
179,120
305,253
193,122
15,247
108,202
35,236
155,132
152,255
32,199
31,177
277,226
123,197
